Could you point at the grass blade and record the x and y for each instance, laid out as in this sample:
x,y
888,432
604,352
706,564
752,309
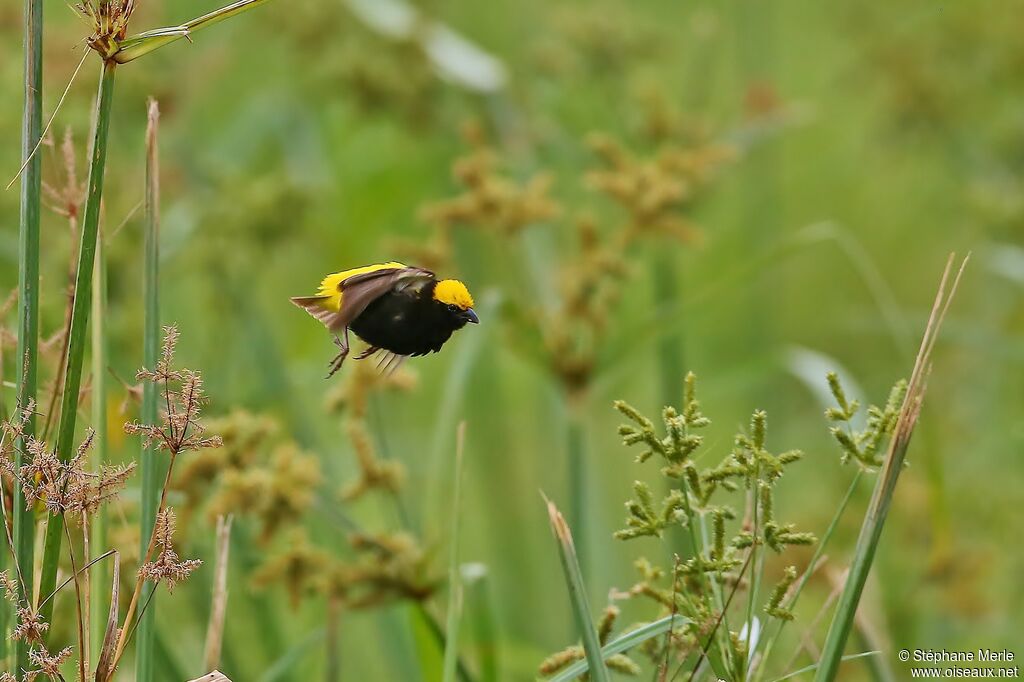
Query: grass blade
x,y
815,666
885,487
451,642
152,466
620,644
577,470
578,595
98,527
106,657
79,320
144,43
28,283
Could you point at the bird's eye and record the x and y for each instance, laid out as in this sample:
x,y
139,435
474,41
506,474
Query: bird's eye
x,y
453,308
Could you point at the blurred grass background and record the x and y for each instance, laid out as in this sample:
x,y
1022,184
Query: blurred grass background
x,y
298,141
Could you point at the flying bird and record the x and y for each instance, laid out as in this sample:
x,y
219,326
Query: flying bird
x,y
398,310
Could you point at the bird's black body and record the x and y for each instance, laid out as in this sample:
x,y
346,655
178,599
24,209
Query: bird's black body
x,y
408,322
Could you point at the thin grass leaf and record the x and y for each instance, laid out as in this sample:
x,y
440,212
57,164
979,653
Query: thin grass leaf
x,y
451,644
885,487
429,638
106,658
135,46
98,524
621,644
811,567
28,285
578,595
814,666
152,465
578,488
79,320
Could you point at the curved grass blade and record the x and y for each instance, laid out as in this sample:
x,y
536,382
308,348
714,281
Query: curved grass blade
x,y
578,595
620,644
885,486
814,666
144,43
98,526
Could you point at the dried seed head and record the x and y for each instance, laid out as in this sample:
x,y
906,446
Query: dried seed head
x,y
46,663
30,627
109,21
167,567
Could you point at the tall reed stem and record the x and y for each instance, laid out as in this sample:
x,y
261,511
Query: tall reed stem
x,y
578,481
154,468
671,360
79,320
101,443
455,588
885,487
28,287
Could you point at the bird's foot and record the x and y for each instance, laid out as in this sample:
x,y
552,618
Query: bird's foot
x,y
368,352
339,359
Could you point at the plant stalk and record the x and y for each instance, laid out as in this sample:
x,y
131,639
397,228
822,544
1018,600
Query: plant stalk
x,y
152,466
578,481
455,588
885,487
28,289
101,442
79,320
578,596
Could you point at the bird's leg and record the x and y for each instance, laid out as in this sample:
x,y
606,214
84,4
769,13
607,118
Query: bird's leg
x,y
368,352
341,343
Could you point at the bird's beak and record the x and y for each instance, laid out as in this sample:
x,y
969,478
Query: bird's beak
x,y
470,315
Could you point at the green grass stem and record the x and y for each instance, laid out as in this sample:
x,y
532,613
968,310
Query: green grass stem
x,y
98,601
769,641
28,284
153,466
576,447
621,644
79,320
455,594
885,487
578,595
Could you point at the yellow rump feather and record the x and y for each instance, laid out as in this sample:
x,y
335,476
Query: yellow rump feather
x,y
330,288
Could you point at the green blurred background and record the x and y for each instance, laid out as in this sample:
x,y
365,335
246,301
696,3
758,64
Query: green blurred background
x,y
873,139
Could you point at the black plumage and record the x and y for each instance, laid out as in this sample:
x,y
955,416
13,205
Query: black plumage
x,y
409,322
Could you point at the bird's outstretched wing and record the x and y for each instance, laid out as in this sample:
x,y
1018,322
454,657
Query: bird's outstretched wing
x,y
345,295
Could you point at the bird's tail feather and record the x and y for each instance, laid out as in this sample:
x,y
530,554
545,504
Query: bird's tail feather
x,y
315,306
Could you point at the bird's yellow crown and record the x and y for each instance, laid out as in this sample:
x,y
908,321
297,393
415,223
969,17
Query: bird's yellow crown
x,y
453,292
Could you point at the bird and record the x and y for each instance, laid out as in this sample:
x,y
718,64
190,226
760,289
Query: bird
x,y
399,310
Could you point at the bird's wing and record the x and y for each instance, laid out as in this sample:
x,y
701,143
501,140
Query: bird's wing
x,y
361,290
346,297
